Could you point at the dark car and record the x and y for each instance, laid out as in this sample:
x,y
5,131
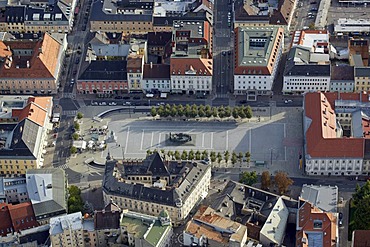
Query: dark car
x,y
84,28
224,53
229,52
314,2
340,216
118,97
77,61
126,97
242,102
136,97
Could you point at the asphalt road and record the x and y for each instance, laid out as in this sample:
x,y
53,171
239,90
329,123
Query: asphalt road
x,y
223,49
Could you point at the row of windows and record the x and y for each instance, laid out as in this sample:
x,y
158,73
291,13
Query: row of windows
x,y
16,161
363,83
305,84
25,82
316,79
259,87
251,82
304,88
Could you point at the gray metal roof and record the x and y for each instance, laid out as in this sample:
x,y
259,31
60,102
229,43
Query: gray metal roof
x,y
362,72
323,197
66,222
51,184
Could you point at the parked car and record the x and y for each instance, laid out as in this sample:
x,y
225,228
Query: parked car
x,y
126,97
77,61
340,216
112,103
136,97
118,97
94,103
102,103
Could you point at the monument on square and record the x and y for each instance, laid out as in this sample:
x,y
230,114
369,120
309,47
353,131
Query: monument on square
x,y
180,137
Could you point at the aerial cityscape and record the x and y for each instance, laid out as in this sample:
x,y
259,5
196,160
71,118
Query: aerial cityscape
x,y
160,123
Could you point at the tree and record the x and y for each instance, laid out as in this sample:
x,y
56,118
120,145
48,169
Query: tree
x,y
177,155
160,111
282,182
80,115
204,154
75,136
73,150
240,157
180,110
361,216
75,203
208,111
361,193
248,112
235,112
184,155
227,112
248,156
76,126
219,157
265,180
197,155
226,156
201,113
191,155
311,26
173,111
187,111
153,112
213,156
148,152
170,154
214,112
234,158
248,178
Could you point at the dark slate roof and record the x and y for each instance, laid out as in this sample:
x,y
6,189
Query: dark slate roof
x,y
41,237
156,71
97,14
309,70
109,218
23,142
362,72
15,14
156,165
342,73
187,175
190,16
39,10
159,38
114,38
128,4
105,70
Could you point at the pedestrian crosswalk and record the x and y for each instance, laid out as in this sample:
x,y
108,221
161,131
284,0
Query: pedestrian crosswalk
x,y
222,95
68,95
70,113
65,166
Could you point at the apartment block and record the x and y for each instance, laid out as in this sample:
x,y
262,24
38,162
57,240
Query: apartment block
x,y
265,214
257,57
13,190
25,121
336,132
123,16
315,227
155,184
134,72
67,230
207,227
103,77
145,230
107,225
342,78
308,63
47,190
156,77
31,66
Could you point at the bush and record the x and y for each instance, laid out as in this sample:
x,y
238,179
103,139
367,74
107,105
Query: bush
x,y
73,150
75,136
76,126
80,115
75,203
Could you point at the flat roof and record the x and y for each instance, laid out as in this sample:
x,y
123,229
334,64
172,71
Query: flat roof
x,y
255,45
323,197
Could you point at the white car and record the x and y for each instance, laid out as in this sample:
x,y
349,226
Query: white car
x,y
112,103
102,103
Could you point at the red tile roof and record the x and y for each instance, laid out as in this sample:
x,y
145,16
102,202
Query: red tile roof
x,y
43,62
201,66
22,216
307,215
35,110
321,135
5,222
16,217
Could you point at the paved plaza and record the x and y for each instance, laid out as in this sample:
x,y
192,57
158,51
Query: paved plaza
x,y
278,140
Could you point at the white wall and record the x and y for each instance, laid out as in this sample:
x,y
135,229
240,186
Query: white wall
x,y
191,82
161,85
243,83
350,167
295,84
